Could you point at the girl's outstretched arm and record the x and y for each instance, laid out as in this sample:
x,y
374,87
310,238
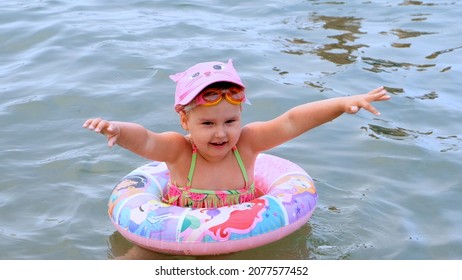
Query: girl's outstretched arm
x,y
139,140
266,135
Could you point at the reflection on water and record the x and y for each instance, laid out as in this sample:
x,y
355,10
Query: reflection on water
x,y
404,34
292,247
427,138
397,133
415,3
437,53
383,65
340,52
429,96
343,51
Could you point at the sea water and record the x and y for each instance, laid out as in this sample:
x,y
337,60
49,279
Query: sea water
x,y
389,186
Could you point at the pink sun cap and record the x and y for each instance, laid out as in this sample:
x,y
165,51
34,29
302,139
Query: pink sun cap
x,y
192,81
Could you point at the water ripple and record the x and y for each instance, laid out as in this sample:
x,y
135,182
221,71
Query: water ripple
x,y
388,186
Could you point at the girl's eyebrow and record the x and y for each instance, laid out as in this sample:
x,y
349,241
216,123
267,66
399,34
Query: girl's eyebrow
x,y
233,117
204,119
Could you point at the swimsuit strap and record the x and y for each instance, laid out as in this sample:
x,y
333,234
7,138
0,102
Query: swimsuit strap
x,y
241,165
193,166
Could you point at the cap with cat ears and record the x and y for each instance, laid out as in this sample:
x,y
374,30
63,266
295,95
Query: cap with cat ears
x,y
192,81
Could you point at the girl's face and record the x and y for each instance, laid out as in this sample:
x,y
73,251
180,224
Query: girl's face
x,y
214,129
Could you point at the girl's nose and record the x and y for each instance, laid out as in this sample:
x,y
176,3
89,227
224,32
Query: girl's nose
x,y
220,132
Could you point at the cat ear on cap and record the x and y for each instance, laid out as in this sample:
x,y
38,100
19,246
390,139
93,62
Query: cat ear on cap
x,y
176,77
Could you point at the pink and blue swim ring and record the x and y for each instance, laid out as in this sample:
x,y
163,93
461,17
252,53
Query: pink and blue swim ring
x,y
287,201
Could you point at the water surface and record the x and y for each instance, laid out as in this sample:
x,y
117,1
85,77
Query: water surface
x,y
389,186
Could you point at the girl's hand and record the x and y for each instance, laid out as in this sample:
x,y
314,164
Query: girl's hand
x,y
356,102
108,129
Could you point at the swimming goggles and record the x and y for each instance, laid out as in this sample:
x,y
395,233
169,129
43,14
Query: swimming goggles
x,y
214,96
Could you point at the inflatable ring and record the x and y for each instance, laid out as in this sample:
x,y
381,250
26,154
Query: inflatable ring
x,y
288,199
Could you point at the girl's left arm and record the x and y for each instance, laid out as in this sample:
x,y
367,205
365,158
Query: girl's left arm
x,y
298,120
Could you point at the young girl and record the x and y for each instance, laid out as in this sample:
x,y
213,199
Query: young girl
x,y
213,165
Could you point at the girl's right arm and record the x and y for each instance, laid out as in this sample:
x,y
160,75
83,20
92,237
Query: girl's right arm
x,y
134,137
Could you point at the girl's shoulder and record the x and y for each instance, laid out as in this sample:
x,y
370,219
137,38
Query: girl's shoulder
x,y
246,143
169,146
